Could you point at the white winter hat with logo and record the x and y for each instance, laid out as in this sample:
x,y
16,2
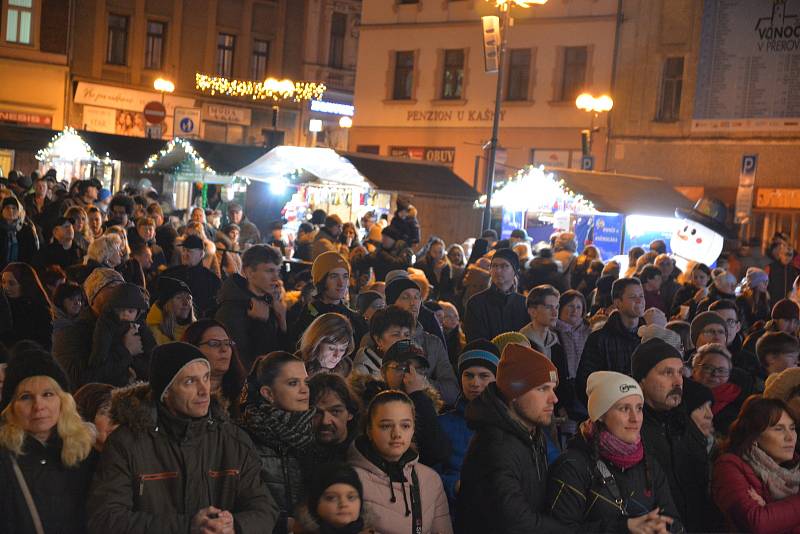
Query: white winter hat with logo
x,y
604,388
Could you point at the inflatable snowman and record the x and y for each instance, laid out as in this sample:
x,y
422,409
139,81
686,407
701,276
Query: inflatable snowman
x,y
701,233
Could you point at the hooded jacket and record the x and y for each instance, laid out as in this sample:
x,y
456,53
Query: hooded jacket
x,y
578,496
504,474
18,242
158,470
607,349
153,321
390,497
493,312
733,479
672,439
252,337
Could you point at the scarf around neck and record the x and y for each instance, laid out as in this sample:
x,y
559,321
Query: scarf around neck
x,y
622,454
273,426
724,394
781,482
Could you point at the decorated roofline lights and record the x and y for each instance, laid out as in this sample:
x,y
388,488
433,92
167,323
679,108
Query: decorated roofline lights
x,y
187,147
533,189
269,89
67,145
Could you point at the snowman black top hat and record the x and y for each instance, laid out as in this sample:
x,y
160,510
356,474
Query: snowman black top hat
x,y
711,213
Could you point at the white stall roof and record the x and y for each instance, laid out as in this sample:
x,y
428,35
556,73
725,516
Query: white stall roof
x,y
323,163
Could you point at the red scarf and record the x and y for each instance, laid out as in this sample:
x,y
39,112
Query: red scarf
x,y
620,453
724,395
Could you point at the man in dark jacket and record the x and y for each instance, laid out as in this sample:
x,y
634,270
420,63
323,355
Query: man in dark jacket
x,y
504,476
335,422
782,272
392,254
62,250
330,273
500,308
18,238
203,282
249,234
610,347
252,307
742,358
176,463
669,434
405,222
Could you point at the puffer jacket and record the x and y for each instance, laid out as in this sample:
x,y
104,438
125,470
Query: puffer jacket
x,y
158,470
680,449
607,349
59,492
493,312
733,479
391,496
252,337
153,321
504,476
578,496
282,441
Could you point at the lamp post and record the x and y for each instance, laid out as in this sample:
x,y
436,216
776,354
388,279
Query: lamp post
x,y
594,105
163,86
505,8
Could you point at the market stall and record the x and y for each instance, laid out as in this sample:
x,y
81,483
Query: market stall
x,y
73,159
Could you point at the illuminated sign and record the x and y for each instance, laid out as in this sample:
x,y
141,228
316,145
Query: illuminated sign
x,y
324,106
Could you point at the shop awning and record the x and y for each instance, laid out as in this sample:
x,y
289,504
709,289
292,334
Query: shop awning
x,y
624,193
394,174
306,165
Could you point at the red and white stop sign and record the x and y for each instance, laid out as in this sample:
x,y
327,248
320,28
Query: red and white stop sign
x,y
155,112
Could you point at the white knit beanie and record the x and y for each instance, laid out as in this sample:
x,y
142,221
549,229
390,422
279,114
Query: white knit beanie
x,y
604,388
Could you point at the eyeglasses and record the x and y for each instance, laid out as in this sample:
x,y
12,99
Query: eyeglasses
x,y
714,332
217,343
715,371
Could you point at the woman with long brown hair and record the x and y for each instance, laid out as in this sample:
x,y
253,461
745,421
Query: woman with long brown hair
x,y
26,311
756,480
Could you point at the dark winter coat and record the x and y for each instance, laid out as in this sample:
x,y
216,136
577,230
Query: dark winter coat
x,y
408,228
158,470
607,349
204,285
23,319
725,418
455,426
578,496
672,439
733,479
316,308
683,295
55,254
27,242
504,474
493,312
781,280
59,492
442,288
383,260
253,337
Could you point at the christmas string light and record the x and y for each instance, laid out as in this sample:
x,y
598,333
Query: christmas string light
x,y
188,150
260,90
533,189
67,145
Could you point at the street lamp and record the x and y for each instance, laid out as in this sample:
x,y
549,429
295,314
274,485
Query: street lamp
x,y
345,122
505,8
594,105
163,86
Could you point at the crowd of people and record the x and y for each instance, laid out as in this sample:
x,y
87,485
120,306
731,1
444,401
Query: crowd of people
x,y
166,371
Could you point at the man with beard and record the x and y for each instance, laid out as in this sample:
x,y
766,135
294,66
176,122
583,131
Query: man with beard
x,y
335,423
503,479
669,434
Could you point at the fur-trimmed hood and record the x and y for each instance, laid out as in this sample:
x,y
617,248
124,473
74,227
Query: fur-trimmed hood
x,y
309,525
133,406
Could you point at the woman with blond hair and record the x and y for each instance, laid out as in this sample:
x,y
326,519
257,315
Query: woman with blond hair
x,y
326,345
46,459
80,223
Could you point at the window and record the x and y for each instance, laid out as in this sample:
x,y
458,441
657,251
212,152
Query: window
x,y
669,102
19,19
453,76
154,47
117,53
226,45
519,73
574,75
338,31
403,75
408,1
260,59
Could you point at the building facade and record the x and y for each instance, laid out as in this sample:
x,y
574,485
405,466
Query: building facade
x,y
34,40
701,84
422,91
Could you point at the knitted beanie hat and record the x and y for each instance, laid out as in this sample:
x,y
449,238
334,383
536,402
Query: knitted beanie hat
x,y
167,361
27,364
501,340
521,369
648,355
702,320
785,309
396,287
604,388
509,255
325,263
695,395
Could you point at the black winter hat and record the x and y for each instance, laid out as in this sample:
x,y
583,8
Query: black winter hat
x,y
391,232
510,256
10,201
192,242
167,361
169,287
404,351
365,299
30,363
397,286
695,395
649,354
702,320
127,296
326,476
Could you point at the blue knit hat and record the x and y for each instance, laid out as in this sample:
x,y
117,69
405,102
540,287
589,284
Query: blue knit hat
x,y
483,358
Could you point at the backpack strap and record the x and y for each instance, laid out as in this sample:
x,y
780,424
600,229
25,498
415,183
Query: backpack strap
x,y
611,484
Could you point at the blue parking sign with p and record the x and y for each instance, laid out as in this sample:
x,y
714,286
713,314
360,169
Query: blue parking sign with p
x,y
749,164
